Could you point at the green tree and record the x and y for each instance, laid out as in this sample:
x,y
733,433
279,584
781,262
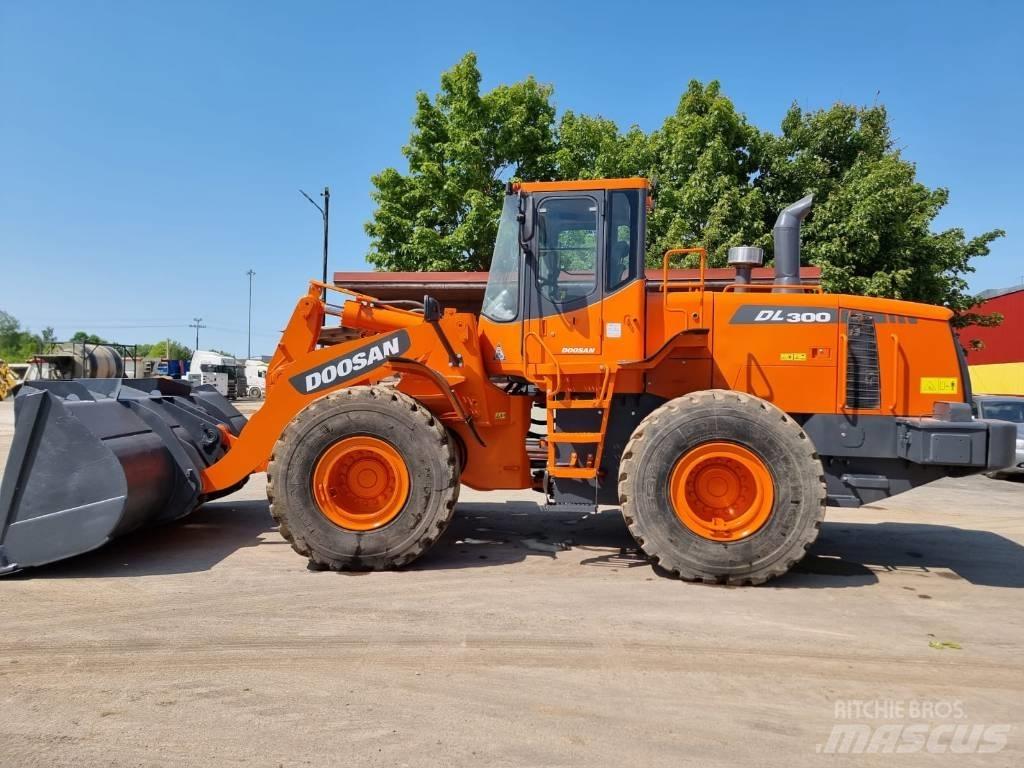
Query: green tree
x,y
87,338
721,182
164,348
705,155
10,330
871,228
815,150
594,148
443,213
16,343
179,351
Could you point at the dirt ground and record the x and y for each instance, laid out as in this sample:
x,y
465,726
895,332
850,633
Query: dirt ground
x,y
523,638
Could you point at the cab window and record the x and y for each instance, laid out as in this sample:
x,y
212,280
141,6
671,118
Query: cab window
x,y
623,211
567,248
501,299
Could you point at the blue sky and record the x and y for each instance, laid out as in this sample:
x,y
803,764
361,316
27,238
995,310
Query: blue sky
x,y
151,153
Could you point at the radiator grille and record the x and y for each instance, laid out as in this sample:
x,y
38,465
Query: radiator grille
x,y
862,385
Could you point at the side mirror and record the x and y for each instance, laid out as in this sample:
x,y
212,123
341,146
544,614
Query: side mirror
x,y
526,219
431,309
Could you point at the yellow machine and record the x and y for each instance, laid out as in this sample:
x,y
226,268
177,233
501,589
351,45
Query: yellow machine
x,y
8,381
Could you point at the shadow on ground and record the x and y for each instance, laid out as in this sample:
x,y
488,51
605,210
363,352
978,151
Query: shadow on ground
x,y
845,554
852,554
197,543
486,534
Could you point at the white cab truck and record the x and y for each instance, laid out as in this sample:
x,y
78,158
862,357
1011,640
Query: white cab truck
x,y
225,373
256,378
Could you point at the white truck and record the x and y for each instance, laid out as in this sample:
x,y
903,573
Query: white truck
x,y
256,378
225,373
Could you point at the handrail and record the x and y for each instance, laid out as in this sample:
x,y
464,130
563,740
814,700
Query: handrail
x,y
842,363
558,368
895,371
700,282
315,286
678,252
771,286
606,384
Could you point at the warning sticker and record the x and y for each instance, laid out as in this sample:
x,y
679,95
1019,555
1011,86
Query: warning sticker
x,y
793,357
938,385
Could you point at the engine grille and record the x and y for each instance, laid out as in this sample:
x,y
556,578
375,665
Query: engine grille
x,y
862,378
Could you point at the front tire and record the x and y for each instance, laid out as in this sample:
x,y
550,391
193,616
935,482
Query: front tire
x,y
722,487
362,479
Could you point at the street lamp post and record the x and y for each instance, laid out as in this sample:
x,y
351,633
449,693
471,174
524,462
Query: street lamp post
x,y
248,356
325,212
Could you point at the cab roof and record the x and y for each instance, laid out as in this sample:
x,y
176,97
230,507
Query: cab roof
x,y
636,182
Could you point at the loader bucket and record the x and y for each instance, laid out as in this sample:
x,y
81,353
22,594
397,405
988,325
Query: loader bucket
x,y
93,459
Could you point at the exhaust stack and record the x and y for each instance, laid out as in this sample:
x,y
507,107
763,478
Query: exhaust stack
x,y
787,242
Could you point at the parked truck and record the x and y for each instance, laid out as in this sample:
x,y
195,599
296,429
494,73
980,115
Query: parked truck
x,y
256,378
226,374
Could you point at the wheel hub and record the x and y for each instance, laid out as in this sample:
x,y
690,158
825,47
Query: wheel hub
x,y
361,483
721,491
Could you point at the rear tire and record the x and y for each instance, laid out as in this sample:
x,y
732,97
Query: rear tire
x,y
395,437
722,487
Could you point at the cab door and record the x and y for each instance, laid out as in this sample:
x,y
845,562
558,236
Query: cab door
x,y
623,307
563,280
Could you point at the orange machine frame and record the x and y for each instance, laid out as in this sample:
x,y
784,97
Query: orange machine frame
x,y
450,382
786,347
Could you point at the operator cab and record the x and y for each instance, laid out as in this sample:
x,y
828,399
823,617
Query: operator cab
x,y
562,250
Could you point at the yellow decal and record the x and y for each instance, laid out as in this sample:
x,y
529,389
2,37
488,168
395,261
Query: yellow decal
x,y
938,385
796,357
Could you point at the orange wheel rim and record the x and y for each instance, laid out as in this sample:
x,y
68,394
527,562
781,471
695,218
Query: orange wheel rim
x,y
361,483
722,491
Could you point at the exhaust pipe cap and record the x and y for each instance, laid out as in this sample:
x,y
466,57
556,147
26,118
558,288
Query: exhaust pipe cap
x,y
787,241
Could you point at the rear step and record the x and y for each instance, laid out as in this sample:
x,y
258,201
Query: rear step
x,y
93,459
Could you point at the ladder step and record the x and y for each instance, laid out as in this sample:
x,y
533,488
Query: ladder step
x,y
575,437
566,404
564,507
580,473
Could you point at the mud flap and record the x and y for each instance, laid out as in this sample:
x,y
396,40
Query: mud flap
x,y
93,459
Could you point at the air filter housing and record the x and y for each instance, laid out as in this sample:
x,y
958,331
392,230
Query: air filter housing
x,y
745,258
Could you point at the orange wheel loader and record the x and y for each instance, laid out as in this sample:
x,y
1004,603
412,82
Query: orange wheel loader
x,y
721,422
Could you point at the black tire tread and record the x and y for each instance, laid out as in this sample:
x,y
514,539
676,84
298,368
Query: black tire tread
x,y
310,414
676,409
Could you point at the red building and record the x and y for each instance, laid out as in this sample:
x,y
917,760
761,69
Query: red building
x,y
997,365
